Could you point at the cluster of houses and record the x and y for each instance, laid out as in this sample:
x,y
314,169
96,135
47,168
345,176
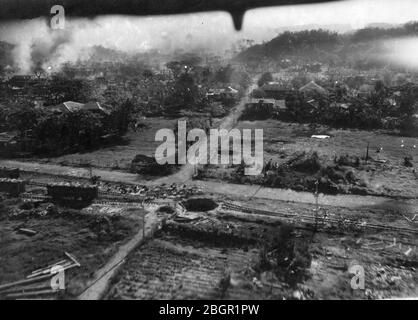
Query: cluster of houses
x,y
338,93
218,94
275,94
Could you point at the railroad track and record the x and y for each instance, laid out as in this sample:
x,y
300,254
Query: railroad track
x,y
36,183
117,199
322,220
110,202
36,197
117,203
107,195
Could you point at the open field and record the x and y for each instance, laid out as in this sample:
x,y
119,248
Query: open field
x,y
383,174
118,157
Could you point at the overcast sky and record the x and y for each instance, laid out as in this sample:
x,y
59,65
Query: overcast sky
x,y
141,33
358,13
208,30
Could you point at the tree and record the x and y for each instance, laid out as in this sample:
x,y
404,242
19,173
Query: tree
x,y
122,117
185,94
258,94
265,78
224,74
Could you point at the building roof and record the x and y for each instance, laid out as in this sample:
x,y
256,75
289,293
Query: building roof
x,y
345,106
215,91
280,104
273,86
262,100
312,86
232,90
71,106
6,137
94,106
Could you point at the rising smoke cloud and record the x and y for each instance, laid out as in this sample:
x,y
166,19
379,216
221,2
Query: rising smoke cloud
x,y
45,50
37,44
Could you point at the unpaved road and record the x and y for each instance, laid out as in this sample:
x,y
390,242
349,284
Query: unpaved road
x,y
212,187
229,122
100,283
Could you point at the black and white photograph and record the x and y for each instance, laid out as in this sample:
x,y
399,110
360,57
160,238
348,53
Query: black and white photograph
x,y
208,155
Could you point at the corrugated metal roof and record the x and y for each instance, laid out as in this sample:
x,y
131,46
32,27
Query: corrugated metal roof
x,y
71,106
273,86
312,86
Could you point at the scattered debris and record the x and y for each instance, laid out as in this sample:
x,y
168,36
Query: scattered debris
x,y
410,220
393,244
408,252
27,232
24,288
187,217
257,283
173,191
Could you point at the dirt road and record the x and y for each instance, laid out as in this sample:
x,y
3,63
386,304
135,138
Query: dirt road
x,y
102,277
229,122
212,187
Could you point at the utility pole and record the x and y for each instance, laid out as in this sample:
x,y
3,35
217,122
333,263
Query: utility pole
x,y
367,151
316,204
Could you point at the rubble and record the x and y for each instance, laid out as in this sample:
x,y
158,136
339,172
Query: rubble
x,y
156,192
26,210
28,232
25,289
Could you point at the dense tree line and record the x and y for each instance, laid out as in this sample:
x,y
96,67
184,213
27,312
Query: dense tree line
x,y
370,114
361,49
56,133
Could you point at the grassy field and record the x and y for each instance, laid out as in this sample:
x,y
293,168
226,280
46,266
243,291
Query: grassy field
x,y
384,173
118,157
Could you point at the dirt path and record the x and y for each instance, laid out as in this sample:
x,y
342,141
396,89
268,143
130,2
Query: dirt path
x,y
187,171
102,277
248,192
58,170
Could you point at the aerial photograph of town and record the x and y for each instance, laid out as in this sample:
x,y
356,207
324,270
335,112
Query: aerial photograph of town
x,y
209,150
